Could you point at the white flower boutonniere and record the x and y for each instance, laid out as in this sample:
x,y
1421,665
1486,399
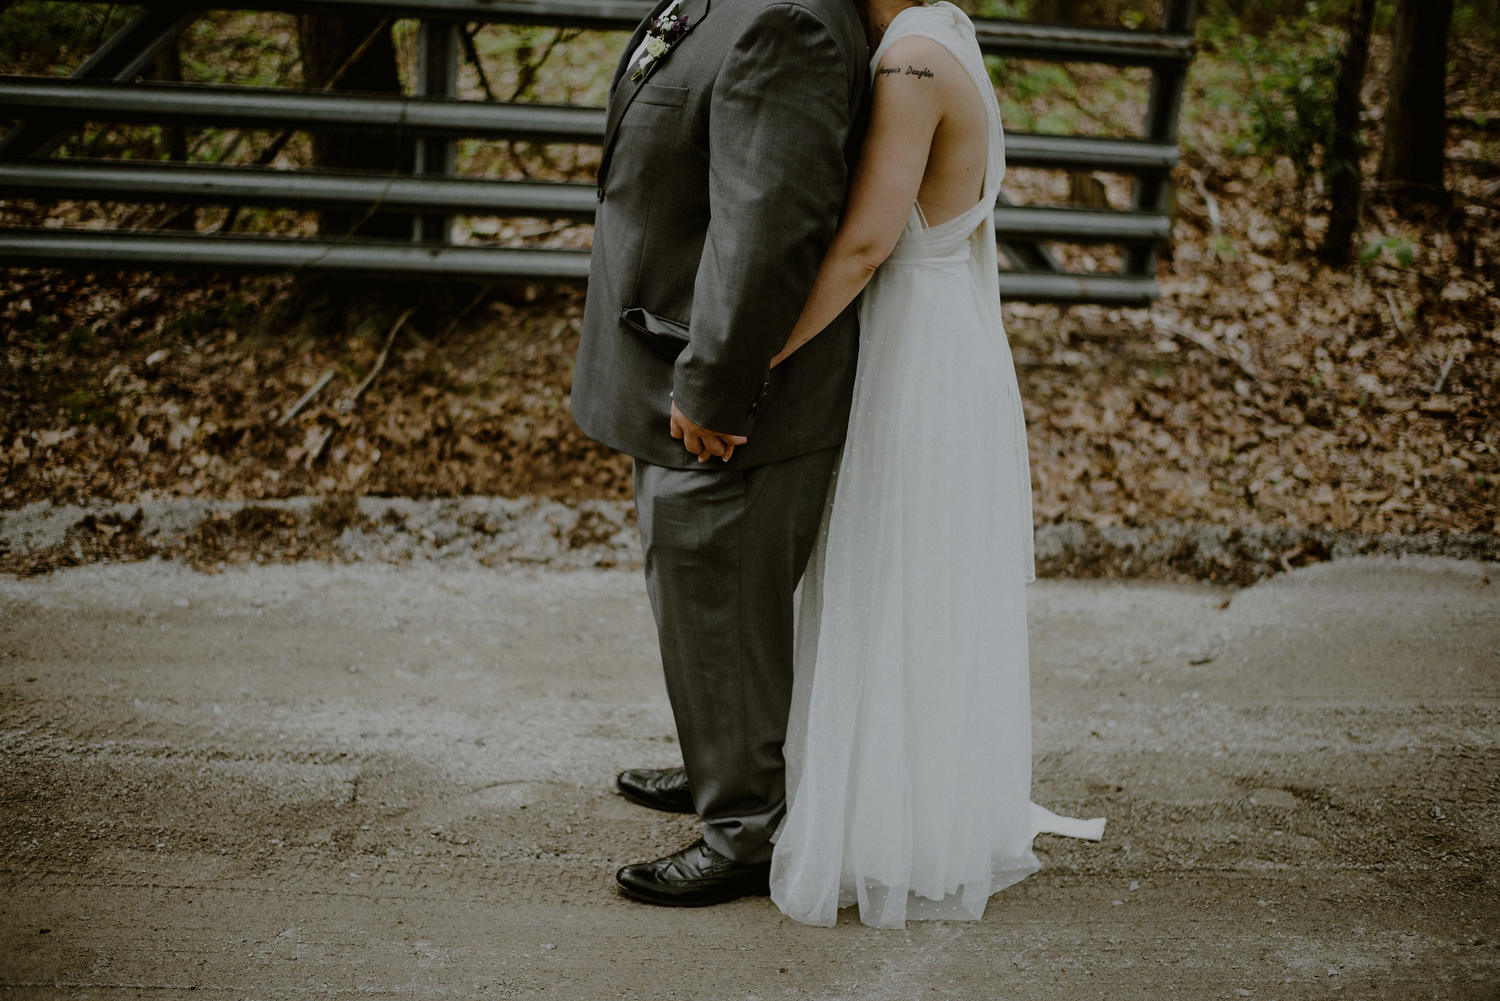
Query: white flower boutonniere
x,y
666,31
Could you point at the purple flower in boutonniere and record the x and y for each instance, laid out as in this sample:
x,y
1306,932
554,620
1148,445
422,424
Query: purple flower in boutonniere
x,y
666,31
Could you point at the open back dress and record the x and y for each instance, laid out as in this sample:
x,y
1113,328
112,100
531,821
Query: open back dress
x,y
909,744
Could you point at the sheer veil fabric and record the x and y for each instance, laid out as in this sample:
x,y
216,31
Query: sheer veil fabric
x,y
909,744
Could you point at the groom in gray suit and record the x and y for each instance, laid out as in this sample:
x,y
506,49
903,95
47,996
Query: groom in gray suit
x,y
732,131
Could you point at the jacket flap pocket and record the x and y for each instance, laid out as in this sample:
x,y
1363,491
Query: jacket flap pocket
x,y
650,323
667,338
667,97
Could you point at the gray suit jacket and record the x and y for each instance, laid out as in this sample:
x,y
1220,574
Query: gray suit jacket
x,y
722,177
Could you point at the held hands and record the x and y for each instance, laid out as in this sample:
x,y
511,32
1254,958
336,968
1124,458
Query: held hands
x,y
700,440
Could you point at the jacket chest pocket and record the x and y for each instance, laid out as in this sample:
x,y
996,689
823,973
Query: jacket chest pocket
x,y
662,96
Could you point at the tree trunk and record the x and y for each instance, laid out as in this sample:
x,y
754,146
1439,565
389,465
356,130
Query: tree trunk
x,y
1341,163
1411,163
327,45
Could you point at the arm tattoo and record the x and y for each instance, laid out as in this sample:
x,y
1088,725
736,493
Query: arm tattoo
x,y
910,71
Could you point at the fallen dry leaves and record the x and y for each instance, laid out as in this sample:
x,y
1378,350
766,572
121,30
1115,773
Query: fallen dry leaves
x,y
184,396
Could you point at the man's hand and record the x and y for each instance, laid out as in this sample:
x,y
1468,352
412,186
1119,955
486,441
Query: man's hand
x,y
700,440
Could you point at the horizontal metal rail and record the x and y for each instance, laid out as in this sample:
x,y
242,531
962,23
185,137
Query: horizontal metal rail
x,y
261,108
1067,43
1074,289
597,15
1121,156
253,107
117,180
1060,225
1014,39
124,180
127,250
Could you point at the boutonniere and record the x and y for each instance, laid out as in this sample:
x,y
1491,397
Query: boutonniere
x,y
666,31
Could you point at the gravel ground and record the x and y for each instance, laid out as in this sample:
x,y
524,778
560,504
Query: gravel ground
x,y
380,780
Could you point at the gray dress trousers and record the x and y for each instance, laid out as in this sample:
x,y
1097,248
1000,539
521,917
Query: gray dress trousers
x,y
725,550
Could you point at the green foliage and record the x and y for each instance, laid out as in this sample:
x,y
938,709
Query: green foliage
x,y
245,48
1003,10
1255,17
1017,86
1222,246
48,37
1474,19
1291,95
1399,246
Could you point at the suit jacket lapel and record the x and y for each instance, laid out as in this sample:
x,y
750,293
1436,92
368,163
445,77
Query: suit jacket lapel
x,y
625,88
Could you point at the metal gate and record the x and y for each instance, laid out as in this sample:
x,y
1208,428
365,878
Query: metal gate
x,y
105,89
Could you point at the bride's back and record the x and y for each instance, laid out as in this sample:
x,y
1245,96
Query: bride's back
x,y
953,180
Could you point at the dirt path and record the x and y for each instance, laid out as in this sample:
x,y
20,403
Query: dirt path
x,y
314,780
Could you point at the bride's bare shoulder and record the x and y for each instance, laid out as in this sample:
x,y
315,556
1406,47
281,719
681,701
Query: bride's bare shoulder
x,y
911,45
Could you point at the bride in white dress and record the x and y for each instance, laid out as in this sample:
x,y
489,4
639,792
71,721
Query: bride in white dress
x,y
909,745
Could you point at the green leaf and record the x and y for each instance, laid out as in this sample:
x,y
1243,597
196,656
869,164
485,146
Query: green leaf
x,y
1403,253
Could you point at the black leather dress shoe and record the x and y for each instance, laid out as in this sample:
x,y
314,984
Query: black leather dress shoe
x,y
664,789
694,877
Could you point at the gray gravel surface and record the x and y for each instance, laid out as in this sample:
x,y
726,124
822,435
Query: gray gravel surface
x,y
485,531
378,781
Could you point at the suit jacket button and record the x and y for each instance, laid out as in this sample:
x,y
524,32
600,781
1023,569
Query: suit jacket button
x,y
599,194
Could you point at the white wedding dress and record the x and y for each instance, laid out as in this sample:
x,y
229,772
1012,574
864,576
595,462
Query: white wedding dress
x,y
909,744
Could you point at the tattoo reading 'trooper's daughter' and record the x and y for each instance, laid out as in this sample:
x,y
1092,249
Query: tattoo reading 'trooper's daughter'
x,y
910,71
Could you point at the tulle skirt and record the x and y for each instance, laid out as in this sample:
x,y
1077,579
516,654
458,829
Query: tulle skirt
x,y
909,746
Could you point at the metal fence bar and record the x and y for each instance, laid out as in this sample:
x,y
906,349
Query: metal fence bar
x,y
252,107
1029,222
437,75
1074,289
260,108
1025,255
1123,156
122,57
124,180
1073,43
1012,39
126,250
51,108
1167,83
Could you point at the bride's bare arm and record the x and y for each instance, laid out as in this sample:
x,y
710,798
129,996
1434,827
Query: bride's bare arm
x,y
908,105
